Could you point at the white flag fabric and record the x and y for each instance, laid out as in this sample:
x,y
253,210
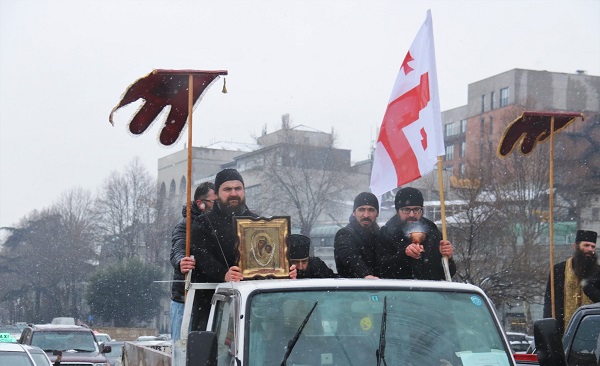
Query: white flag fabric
x,y
411,136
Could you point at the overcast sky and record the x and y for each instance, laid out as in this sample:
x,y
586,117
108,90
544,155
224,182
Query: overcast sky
x,y
329,64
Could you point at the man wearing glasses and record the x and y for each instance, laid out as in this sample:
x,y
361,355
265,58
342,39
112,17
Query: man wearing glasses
x,y
411,246
204,198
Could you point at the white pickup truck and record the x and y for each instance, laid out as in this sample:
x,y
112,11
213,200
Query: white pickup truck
x,y
329,322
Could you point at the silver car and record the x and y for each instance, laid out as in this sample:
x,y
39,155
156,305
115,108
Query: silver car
x,y
15,354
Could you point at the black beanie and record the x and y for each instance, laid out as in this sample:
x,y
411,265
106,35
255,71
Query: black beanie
x,y
227,175
298,246
366,198
408,197
586,235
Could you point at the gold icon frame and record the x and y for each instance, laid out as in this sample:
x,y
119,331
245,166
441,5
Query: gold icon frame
x,y
262,246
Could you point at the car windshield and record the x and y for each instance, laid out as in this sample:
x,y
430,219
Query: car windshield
x,y
64,340
39,358
9,329
421,328
15,359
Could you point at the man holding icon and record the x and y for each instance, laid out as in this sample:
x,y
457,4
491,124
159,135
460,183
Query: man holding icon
x,y
411,246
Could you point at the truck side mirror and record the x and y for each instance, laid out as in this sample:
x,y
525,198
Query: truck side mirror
x,y
548,343
201,349
106,349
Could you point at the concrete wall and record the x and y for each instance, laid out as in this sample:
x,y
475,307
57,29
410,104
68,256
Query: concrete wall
x,y
134,355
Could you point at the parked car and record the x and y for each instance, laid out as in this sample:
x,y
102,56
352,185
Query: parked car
x,y
579,344
115,353
77,343
15,354
518,341
102,337
63,321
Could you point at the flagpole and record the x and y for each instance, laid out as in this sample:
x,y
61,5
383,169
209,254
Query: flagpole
x,y
550,216
188,209
445,262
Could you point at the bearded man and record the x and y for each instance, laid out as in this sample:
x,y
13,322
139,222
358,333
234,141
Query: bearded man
x,y
213,242
569,277
401,255
354,244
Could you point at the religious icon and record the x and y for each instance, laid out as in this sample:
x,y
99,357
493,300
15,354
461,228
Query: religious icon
x,y
263,247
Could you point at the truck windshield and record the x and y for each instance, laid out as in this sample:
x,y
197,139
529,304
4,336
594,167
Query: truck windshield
x,y
422,328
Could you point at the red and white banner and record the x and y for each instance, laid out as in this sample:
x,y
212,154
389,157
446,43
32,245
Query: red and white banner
x,y
411,136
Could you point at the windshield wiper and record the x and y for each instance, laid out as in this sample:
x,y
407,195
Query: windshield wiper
x,y
293,341
380,353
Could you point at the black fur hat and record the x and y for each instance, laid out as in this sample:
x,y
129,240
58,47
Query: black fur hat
x,y
298,246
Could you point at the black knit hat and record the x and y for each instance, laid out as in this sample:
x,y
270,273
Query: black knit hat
x,y
298,246
586,235
408,196
366,198
227,175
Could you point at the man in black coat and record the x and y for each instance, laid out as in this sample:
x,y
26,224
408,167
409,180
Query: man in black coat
x,y
306,266
354,245
204,197
416,256
569,276
214,242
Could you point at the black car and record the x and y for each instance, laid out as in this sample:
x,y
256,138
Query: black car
x,y
77,343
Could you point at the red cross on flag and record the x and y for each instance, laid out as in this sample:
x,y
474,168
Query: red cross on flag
x,y
411,138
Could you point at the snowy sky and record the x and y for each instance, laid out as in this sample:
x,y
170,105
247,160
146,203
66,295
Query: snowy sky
x,y
329,64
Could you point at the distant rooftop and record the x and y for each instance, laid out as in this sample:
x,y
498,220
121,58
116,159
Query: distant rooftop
x,y
233,146
305,128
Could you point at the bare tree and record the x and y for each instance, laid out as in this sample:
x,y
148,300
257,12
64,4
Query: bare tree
x,y
125,209
499,237
302,180
43,264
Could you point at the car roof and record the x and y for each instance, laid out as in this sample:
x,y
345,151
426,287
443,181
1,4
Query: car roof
x,y
11,347
341,283
59,327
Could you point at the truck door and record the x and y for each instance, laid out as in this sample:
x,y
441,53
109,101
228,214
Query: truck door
x,y
225,325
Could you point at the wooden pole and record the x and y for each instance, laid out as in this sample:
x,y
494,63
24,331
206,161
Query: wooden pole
x,y
445,263
188,206
188,210
551,216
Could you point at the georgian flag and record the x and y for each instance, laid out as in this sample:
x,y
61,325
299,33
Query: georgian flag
x,y
411,137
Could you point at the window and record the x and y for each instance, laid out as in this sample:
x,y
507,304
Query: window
x,y
491,124
503,97
223,324
483,103
345,325
463,149
449,152
585,341
463,126
456,128
481,125
492,101
463,169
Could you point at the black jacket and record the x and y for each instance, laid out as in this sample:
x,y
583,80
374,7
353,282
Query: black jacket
x,y
393,261
317,269
214,244
354,250
178,252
